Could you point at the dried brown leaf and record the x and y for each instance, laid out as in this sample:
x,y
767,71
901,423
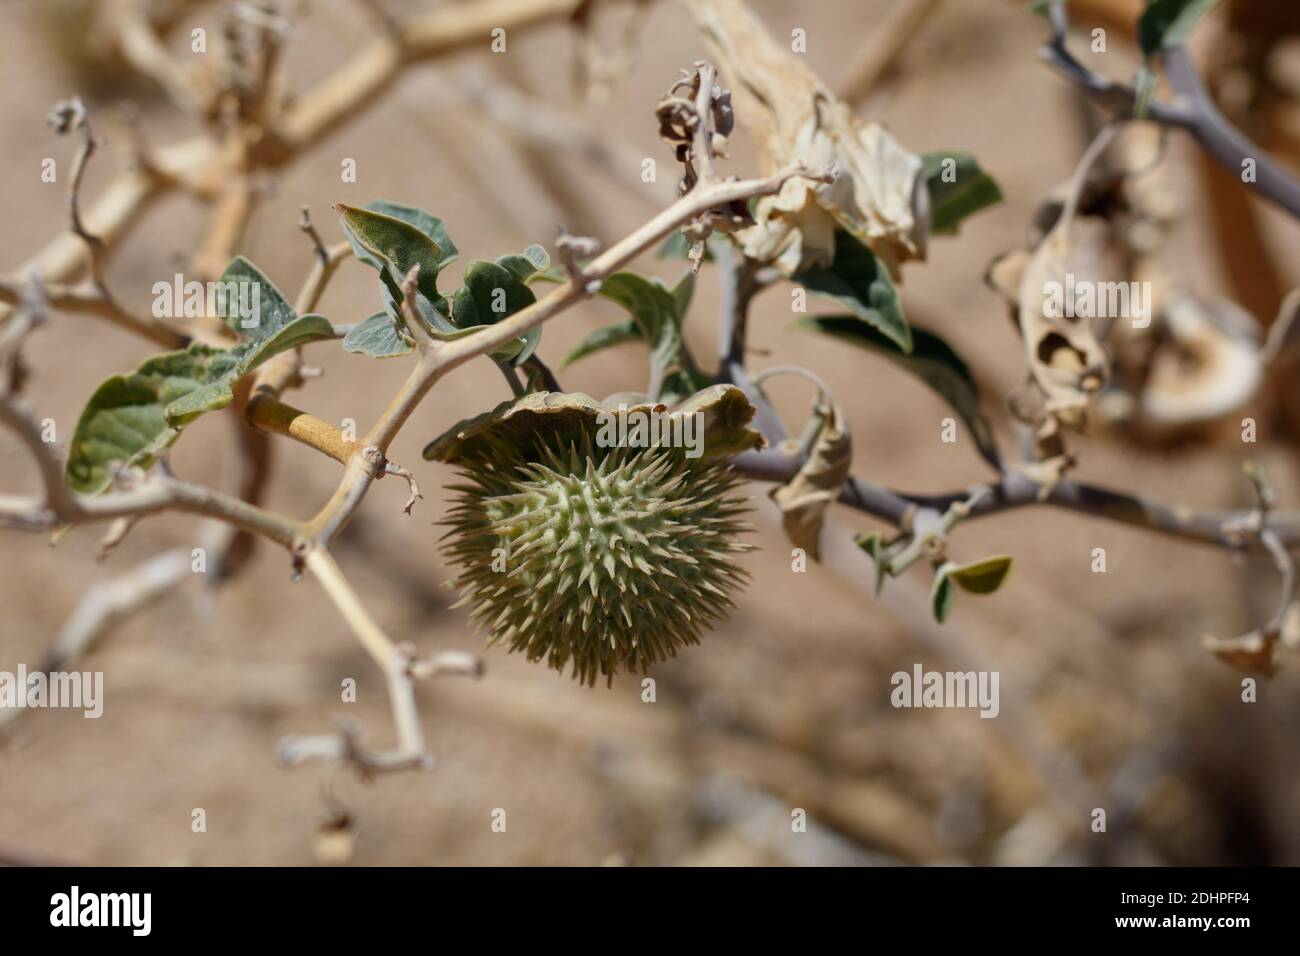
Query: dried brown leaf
x,y
804,499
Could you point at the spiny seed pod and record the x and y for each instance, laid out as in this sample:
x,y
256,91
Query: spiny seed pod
x,y
584,552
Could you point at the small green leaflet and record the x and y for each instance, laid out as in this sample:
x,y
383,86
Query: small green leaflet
x,y
983,576
958,188
979,577
1167,23
392,237
132,418
941,595
1163,25
873,543
860,282
528,264
931,359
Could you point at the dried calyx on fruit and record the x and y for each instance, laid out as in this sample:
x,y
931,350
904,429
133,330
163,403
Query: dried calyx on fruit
x,y
587,535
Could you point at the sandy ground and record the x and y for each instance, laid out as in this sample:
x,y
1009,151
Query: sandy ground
x,y
1107,698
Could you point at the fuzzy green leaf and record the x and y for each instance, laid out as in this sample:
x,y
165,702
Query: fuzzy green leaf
x,y
131,418
533,260
957,189
860,282
430,225
654,311
125,421
258,310
493,291
392,245
389,243
931,359
378,337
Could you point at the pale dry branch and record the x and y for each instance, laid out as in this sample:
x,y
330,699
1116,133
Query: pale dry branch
x,y
375,68
56,506
201,166
1192,110
141,43
401,670
87,300
1015,490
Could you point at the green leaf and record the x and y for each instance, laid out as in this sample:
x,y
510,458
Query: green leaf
x,y
534,259
131,418
657,314
941,594
957,189
683,291
978,577
250,302
430,225
392,245
300,331
931,359
873,542
492,292
604,338
379,337
860,282
1167,23
654,311
383,241
125,421
984,576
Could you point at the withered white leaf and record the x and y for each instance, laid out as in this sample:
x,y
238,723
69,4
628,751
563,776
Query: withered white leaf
x,y
1065,358
879,196
1208,365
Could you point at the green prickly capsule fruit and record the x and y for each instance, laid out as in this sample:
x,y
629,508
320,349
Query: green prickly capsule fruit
x,y
599,556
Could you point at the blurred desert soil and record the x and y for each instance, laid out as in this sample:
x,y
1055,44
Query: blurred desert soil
x,y
1107,698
